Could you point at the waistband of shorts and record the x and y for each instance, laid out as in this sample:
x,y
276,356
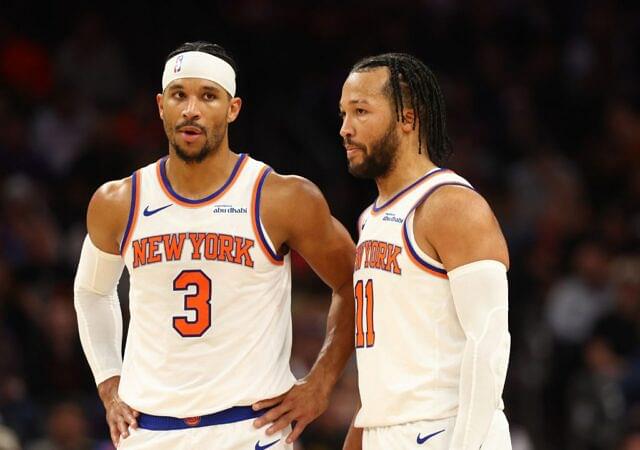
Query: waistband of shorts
x,y
164,423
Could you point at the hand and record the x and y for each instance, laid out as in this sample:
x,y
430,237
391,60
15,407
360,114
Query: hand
x,y
305,401
120,416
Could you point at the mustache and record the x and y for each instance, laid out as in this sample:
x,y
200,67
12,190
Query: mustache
x,y
347,141
191,123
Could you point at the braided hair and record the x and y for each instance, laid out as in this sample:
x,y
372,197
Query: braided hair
x,y
411,81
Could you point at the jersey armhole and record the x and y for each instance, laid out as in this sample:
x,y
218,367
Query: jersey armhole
x,y
414,252
133,211
263,238
361,217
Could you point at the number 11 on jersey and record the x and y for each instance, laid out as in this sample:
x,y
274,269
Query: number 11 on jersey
x,y
364,292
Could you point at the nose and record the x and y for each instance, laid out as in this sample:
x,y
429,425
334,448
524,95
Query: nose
x,y
191,109
346,130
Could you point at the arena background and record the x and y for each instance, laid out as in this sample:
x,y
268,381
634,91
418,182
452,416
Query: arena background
x,y
544,111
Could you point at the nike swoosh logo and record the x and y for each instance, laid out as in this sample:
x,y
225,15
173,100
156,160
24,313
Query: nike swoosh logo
x,y
262,447
147,212
422,440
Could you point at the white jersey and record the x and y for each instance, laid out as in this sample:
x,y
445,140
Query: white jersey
x,y
409,342
210,298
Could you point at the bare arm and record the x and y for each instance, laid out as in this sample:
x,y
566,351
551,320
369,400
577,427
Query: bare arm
x,y
456,226
107,217
325,244
459,227
353,440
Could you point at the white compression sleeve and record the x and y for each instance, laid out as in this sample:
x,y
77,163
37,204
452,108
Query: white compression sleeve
x,y
480,294
98,310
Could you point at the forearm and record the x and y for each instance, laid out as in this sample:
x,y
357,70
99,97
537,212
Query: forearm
x,y
353,440
100,329
479,399
338,343
480,295
98,310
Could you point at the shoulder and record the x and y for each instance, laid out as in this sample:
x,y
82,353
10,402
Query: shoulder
x,y
291,187
108,213
292,191
461,226
456,206
112,195
292,209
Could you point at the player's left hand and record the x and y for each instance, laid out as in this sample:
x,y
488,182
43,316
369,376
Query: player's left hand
x,y
304,402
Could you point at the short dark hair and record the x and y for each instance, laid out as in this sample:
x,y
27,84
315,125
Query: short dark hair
x,y
411,80
205,47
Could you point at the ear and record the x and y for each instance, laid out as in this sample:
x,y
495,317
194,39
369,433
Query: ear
x,y
409,117
160,107
235,104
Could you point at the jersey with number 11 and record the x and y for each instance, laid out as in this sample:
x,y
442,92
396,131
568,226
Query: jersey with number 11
x,y
209,297
408,340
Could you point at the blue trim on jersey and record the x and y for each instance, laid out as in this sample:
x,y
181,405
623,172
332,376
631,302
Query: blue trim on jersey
x,y
164,423
132,209
393,199
406,233
167,184
256,213
415,254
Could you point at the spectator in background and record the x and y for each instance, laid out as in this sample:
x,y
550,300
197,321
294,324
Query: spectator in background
x,y
61,130
91,63
8,439
577,301
66,430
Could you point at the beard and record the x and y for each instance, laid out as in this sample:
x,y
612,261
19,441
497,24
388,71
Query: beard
x,y
213,139
380,158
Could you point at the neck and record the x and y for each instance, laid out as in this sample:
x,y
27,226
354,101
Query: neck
x,y
197,180
407,168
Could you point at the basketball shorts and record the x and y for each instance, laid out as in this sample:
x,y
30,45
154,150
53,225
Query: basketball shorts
x,y
432,435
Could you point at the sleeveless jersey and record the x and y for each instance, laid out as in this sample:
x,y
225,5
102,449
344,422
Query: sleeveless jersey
x,y
210,298
409,342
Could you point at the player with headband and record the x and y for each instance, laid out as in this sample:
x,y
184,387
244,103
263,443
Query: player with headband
x,y
202,234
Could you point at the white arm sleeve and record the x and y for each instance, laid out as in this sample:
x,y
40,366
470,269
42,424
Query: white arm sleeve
x,y
480,294
98,310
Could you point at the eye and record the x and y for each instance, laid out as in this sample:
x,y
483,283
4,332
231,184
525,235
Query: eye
x,y
209,96
178,94
360,111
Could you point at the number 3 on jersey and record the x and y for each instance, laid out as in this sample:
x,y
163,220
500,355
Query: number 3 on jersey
x,y
200,302
364,292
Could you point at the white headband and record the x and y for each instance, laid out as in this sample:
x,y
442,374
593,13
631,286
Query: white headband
x,y
200,65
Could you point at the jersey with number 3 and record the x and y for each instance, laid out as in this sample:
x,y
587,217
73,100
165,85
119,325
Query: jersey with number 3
x,y
409,342
209,297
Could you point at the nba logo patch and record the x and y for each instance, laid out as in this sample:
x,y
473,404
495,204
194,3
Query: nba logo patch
x,y
178,65
192,421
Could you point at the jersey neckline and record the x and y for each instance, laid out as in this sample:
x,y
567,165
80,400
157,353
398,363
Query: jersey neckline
x,y
376,209
177,198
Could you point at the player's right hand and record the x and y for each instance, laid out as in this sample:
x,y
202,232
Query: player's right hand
x,y
120,416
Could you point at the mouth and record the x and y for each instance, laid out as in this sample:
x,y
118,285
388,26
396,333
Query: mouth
x,y
190,134
352,150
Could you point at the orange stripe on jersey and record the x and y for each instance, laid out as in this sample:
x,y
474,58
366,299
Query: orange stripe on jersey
x,y
133,211
375,210
270,253
419,264
163,180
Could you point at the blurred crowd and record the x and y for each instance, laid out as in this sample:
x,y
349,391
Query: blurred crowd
x,y
544,111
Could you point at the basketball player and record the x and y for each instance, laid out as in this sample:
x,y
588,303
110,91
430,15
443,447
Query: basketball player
x,y
206,235
432,341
